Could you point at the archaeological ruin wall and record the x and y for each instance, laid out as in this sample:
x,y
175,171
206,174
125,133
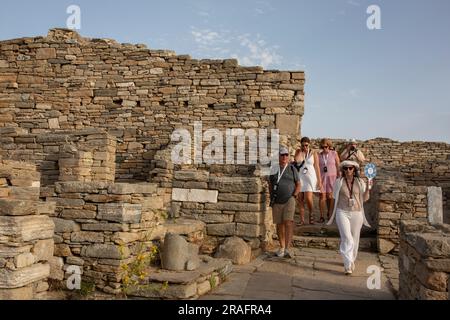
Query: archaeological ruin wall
x,y
139,95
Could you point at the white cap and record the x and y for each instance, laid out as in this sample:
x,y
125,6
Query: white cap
x,y
283,150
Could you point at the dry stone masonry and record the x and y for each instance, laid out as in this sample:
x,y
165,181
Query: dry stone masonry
x,y
26,232
86,126
424,261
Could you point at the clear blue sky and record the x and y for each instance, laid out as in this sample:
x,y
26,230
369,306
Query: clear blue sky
x,y
393,82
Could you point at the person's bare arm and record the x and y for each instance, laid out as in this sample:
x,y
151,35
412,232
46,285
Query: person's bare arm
x,y
317,169
297,189
360,156
338,162
366,195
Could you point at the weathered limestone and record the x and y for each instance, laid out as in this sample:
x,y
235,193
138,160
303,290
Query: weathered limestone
x,y
236,250
26,237
99,225
178,255
184,284
399,203
424,261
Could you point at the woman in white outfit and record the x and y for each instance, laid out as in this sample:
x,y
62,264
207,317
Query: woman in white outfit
x,y
350,192
307,162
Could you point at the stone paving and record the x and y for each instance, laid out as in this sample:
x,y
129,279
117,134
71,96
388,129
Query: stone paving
x,y
312,274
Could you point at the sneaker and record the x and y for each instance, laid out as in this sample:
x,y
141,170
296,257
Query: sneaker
x,y
348,272
280,253
288,254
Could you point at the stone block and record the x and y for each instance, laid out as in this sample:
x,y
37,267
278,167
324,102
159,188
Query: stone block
x,y
435,207
78,214
43,250
125,237
132,188
194,195
63,225
80,187
24,260
56,268
195,175
24,276
233,206
221,229
45,53
248,230
120,212
24,293
288,124
15,207
46,208
152,203
235,185
249,217
27,228
86,236
24,193
105,251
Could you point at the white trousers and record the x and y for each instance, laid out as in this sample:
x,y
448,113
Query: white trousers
x,y
349,224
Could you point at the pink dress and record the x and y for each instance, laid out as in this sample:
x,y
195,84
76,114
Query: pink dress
x,y
329,177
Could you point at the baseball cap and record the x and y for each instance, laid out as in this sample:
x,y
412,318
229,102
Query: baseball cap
x,y
284,150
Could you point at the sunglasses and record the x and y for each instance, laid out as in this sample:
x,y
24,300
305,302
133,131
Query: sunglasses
x,y
284,155
348,168
325,147
305,145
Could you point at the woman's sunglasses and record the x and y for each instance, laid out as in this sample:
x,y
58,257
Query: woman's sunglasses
x,y
348,168
325,147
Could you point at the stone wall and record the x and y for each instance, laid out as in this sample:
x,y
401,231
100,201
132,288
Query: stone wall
x,y
84,155
26,232
415,163
139,95
424,261
229,205
99,226
399,202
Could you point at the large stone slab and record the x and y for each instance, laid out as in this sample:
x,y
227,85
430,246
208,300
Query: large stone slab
x,y
120,212
28,228
105,251
235,184
194,195
435,207
16,207
194,175
133,188
80,187
24,276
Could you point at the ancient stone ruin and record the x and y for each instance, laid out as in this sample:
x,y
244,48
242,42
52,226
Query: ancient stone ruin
x,y
87,177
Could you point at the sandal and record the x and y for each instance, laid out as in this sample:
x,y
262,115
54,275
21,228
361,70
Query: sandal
x,y
322,220
301,223
311,220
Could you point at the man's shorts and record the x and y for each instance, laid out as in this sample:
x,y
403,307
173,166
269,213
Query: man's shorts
x,y
283,212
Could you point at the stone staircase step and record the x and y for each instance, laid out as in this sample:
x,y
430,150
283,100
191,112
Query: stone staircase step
x,y
323,230
332,243
165,284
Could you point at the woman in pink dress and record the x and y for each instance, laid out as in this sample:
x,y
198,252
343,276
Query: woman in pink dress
x,y
329,172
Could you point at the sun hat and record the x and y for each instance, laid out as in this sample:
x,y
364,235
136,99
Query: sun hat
x,y
349,163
